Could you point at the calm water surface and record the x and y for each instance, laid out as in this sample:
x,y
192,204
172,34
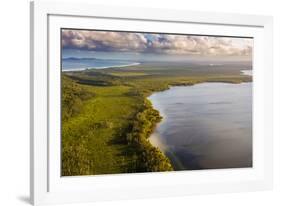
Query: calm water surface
x,y
74,64
205,126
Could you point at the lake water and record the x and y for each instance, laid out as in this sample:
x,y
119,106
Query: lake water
x,y
205,126
74,64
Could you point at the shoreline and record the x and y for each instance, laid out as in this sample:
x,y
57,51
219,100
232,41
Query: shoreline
x,y
158,142
107,67
148,157
247,72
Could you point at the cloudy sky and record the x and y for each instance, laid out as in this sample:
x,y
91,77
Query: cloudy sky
x,y
94,43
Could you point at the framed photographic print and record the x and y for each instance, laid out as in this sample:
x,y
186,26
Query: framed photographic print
x,y
126,105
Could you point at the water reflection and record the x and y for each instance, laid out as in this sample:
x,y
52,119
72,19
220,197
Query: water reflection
x,y
205,126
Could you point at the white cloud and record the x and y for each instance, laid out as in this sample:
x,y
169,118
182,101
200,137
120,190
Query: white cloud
x,y
156,43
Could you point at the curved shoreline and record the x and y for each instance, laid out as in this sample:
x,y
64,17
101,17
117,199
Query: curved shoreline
x,y
157,145
106,67
142,155
150,158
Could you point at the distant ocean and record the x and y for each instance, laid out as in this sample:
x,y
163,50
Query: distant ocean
x,y
75,64
247,72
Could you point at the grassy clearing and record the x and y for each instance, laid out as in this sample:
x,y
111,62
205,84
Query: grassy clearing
x,y
93,140
128,74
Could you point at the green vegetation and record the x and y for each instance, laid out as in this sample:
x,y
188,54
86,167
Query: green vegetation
x,y
128,74
72,97
150,159
107,119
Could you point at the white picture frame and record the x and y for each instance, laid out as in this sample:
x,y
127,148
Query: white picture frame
x,y
47,186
